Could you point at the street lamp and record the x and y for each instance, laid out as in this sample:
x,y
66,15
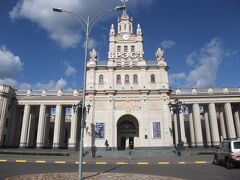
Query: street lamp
x,y
87,27
177,107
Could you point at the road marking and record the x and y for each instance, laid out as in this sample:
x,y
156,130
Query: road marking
x,y
77,162
200,162
162,163
21,161
143,163
60,162
2,161
101,162
40,162
119,163
181,162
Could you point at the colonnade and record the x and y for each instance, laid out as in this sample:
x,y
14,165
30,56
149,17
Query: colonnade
x,y
208,123
39,129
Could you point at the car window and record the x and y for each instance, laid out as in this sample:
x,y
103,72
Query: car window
x,y
236,145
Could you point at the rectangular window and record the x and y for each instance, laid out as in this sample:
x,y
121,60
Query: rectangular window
x,y
132,48
99,130
118,48
125,49
156,131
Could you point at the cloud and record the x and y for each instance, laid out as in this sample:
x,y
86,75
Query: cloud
x,y
55,85
167,44
10,65
70,71
209,59
8,81
62,28
204,63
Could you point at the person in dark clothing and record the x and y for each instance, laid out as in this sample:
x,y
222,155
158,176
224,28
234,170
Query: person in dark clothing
x,y
94,149
107,145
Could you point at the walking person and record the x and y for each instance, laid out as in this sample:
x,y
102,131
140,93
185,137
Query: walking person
x,y
107,145
94,149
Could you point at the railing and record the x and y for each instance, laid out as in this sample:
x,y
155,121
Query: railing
x,y
209,91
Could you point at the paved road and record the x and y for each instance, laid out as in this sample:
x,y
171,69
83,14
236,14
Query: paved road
x,y
185,171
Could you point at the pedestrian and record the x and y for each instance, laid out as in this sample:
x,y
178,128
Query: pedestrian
x,y
94,149
107,145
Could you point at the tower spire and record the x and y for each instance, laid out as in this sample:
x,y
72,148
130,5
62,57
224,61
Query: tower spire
x,y
125,10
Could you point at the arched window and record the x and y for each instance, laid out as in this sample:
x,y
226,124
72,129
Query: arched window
x,y
152,78
101,79
118,79
127,79
135,79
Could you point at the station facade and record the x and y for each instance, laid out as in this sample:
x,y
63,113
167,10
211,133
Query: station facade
x,y
128,99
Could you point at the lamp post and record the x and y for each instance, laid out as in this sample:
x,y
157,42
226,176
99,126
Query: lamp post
x,y
177,107
87,25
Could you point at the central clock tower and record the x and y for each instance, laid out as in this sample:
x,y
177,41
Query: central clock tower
x,y
125,46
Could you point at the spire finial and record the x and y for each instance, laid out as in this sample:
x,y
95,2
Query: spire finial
x,y
125,10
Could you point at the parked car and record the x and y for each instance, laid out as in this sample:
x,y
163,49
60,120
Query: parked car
x,y
228,153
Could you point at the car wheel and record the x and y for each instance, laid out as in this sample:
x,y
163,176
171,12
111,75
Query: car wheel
x,y
228,164
216,161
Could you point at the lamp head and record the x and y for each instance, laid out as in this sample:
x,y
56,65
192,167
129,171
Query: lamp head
x,y
57,9
120,8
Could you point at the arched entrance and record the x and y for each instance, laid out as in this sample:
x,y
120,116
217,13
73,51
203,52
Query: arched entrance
x,y
127,129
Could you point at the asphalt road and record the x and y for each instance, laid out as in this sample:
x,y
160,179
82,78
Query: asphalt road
x,y
185,171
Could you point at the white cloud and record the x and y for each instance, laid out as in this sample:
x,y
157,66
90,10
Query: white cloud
x,y
61,27
10,65
60,84
167,44
204,63
70,71
8,81
209,59
191,58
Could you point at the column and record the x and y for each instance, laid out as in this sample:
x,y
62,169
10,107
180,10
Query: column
x,y
213,124
197,125
206,121
3,113
73,130
237,122
191,126
25,125
41,127
229,120
12,132
182,125
222,124
57,127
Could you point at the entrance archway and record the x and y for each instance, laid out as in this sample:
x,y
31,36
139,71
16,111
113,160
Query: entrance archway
x,y
127,129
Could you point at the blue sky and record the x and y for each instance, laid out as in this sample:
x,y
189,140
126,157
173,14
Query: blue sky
x,y
40,49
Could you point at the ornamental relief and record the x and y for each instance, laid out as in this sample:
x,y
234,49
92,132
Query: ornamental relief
x,y
128,105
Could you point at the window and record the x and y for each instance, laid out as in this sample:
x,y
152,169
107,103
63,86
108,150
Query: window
x,y
101,79
125,49
156,131
125,27
118,79
130,28
132,48
118,48
152,78
127,79
120,28
135,79
99,130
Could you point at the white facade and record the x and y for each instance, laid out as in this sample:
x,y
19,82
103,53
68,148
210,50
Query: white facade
x,y
129,99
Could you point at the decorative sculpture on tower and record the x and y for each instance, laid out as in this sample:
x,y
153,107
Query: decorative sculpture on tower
x,y
93,55
159,54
